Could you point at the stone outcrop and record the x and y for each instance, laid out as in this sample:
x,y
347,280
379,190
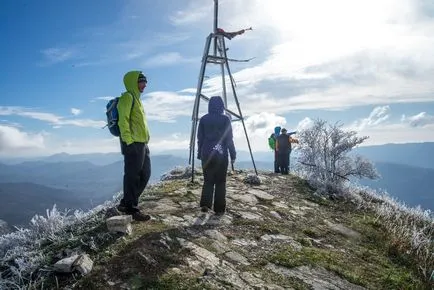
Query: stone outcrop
x,y
275,234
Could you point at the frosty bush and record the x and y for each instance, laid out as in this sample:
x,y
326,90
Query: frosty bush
x,y
323,157
22,253
179,172
252,179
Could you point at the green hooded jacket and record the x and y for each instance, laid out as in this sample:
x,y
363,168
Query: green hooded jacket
x,y
272,142
133,127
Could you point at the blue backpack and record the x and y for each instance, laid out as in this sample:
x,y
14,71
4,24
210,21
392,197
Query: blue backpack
x,y
113,116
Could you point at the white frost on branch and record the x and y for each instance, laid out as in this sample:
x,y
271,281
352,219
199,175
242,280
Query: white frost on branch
x,y
324,159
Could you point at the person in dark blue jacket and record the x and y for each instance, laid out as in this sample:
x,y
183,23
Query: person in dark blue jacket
x,y
215,139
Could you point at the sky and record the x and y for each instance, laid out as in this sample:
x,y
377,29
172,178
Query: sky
x,y
367,64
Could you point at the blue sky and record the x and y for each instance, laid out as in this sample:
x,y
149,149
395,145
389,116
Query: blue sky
x,y
369,65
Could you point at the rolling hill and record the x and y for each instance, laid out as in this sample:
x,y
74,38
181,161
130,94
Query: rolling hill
x,y
86,180
32,187
21,201
412,154
410,184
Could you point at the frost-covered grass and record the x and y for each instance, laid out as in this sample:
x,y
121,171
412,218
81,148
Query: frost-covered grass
x,y
410,229
325,163
23,262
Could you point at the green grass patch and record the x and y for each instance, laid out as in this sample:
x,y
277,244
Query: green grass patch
x,y
259,228
362,267
272,278
194,185
139,230
312,233
175,281
170,186
305,242
189,196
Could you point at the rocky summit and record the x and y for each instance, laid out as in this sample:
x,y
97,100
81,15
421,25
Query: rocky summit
x,y
276,234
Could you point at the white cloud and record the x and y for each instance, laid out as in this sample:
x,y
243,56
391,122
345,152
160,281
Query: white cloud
x,y
417,128
105,98
194,12
376,117
11,124
259,127
397,133
124,38
12,139
82,146
14,143
57,54
329,57
166,59
304,124
167,106
261,124
420,120
50,118
85,123
161,145
75,111
107,145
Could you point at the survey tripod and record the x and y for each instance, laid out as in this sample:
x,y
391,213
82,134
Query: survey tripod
x,y
219,57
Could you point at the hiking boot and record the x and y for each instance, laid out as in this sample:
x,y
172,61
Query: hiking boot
x,y
204,209
138,216
122,208
219,213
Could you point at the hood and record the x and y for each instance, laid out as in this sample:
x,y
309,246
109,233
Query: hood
x,y
130,82
277,131
216,105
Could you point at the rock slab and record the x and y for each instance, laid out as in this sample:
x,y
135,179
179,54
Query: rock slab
x,y
120,224
81,263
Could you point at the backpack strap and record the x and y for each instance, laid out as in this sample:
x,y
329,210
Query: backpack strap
x,y
132,106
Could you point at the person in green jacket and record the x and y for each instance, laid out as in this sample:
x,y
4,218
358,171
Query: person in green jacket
x,y
272,145
134,138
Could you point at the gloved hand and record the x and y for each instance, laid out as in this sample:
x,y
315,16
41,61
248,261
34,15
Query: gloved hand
x,y
232,161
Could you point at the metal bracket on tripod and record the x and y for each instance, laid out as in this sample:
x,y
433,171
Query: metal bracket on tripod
x,y
221,59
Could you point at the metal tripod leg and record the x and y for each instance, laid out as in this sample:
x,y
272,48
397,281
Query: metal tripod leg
x,y
224,54
196,104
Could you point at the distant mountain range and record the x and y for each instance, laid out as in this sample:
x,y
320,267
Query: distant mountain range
x,y
410,184
34,186
109,158
29,186
21,201
413,154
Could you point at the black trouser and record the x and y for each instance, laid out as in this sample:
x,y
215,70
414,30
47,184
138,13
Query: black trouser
x,y
283,161
276,163
214,185
137,171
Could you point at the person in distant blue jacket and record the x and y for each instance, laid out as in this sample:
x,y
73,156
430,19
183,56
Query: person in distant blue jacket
x,y
215,139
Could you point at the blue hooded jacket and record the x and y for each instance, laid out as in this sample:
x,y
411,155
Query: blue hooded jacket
x,y
214,136
277,131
